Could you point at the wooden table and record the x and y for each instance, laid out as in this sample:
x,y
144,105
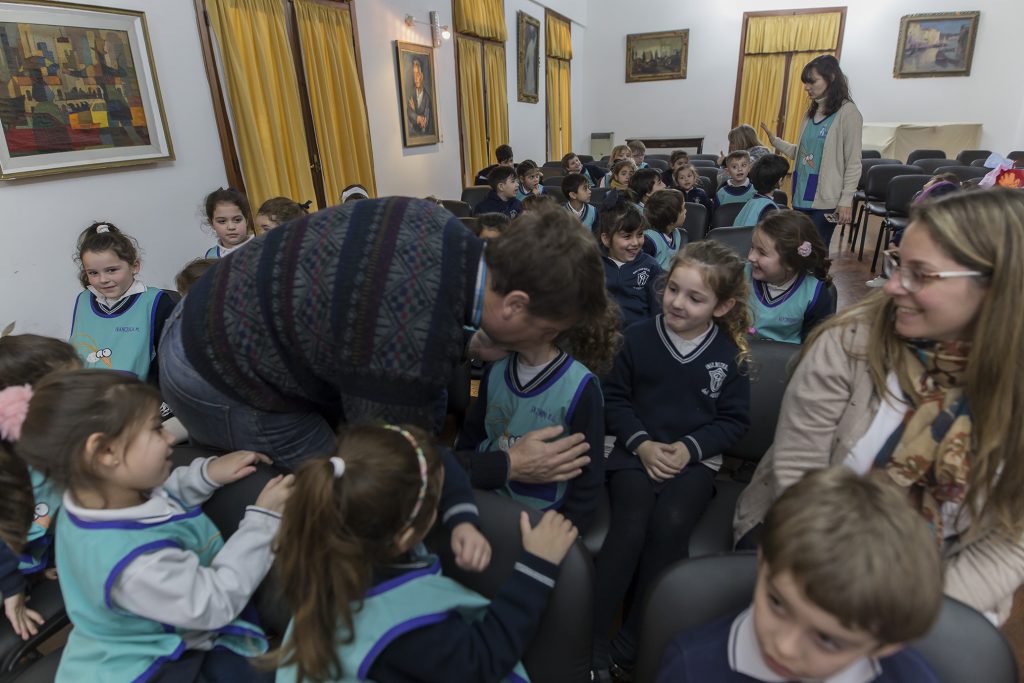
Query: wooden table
x,y
683,142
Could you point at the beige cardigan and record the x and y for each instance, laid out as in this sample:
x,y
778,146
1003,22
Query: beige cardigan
x,y
829,404
840,159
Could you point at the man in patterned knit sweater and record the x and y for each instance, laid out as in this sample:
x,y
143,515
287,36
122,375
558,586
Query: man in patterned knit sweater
x,y
359,312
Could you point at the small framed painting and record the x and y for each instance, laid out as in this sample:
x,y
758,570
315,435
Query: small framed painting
x,y
417,93
936,44
78,90
656,56
528,56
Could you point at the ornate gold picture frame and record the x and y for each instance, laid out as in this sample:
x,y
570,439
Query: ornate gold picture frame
x,y
528,57
657,56
939,44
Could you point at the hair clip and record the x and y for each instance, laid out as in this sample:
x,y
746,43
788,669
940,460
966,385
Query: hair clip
x,y
339,466
102,227
804,249
13,410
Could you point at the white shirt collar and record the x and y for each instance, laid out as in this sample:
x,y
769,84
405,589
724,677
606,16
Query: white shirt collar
x,y
136,288
224,251
745,657
158,508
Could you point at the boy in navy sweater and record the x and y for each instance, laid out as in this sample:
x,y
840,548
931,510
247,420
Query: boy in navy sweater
x,y
630,273
504,156
502,197
847,574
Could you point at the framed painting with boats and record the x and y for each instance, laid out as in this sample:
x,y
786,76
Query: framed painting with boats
x,y
78,90
940,44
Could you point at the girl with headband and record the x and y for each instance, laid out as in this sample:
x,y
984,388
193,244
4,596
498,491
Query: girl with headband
x,y
349,554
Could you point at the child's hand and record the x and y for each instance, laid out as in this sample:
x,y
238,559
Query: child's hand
x,y
657,459
472,551
552,537
721,157
482,347
679,454
764,127
22,617
275,494
234,466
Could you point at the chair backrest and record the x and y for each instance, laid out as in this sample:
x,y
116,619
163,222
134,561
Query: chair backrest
x,y
475,194
834,294
560,650
929,165
978,162
586,158
964,172
965,157
780,198
605,159
727,586
597,195
696,222
725,215
769,377
552,180
708,172
870,154
877,186
918,154
663,157
902,189
736,237
470,222
555,192
659,164
710,157
709,184
1017,155
460,209
867,164
552,167
706,163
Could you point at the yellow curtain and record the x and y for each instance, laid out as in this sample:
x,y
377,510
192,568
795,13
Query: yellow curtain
x,y
471,99
497,96
558,37
263,93
788,33
761,90
559,108
483,18
796,98
339,112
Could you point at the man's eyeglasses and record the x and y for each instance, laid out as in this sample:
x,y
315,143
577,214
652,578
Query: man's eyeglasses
x,y
913,280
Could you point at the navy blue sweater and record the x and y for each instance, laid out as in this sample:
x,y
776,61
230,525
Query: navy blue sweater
x,y
490,469
12,581
633,285
701,399
492,203
697,195
484,650
701,654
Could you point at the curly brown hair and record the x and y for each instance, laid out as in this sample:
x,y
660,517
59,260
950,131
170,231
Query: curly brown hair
x,y
103,236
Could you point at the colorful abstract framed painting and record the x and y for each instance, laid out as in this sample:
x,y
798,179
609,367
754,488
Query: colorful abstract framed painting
x,y
940,44
78,90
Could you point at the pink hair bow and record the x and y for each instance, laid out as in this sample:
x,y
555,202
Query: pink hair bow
x,y
13,410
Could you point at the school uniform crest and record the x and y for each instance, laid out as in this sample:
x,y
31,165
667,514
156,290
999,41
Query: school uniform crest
x,y
717,372
642,276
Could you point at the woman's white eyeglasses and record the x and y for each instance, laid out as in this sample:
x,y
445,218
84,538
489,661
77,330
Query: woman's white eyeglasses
x,y
913,280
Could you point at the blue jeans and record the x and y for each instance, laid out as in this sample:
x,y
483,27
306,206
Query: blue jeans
x,y
825,229
215,419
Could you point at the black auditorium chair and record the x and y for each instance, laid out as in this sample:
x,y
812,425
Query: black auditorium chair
x,y
709,157
696,223
929,165
902,189
736,237
725,215
870,154
470,223
710,173
709,184
876,189
552,167
1016,155
727,586
919,154
769,377
474,194
39,670
555,192
706,163
585,158
978,162
657,164
560,652
964,173
17,654
663,157
859,196
460,209
781,198
599,524
552,180
965,157
597,196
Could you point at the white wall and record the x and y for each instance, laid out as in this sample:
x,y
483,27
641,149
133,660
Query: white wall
x,y
702,104
157,204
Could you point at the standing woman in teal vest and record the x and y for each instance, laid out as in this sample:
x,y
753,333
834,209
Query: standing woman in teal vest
x,y
787,269
151,588
350,556
117,320
827,155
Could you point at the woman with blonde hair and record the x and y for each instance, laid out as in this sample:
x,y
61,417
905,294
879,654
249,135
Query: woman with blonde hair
x,y
745,137
922,386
